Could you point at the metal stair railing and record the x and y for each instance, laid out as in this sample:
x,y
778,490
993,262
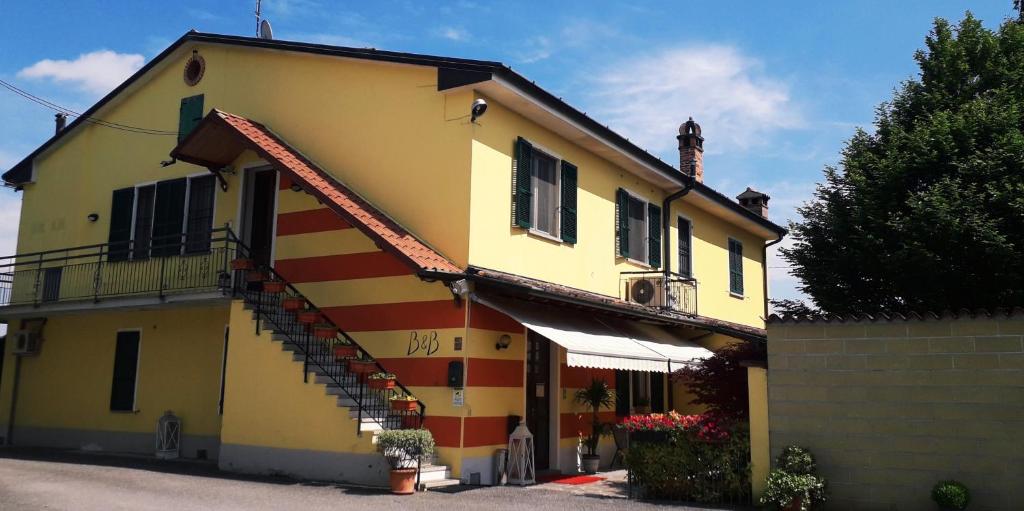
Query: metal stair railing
x,y
318,353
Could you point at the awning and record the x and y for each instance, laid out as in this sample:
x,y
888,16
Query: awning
x,y
601,342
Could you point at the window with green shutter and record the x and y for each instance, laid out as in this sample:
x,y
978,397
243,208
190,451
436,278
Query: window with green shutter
x,y
735,267
522,191
568,206
189,115
120,234
622,221
685,242
654,235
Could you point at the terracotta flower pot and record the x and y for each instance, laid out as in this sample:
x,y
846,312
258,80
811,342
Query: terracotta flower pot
x,y
403,481
345,351
403,405
274,286
293,304
243,264
382,383
794,505
309,317
361,367
256,276
325,332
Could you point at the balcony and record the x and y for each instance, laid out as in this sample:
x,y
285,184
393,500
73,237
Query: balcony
x,y
173,268
653,289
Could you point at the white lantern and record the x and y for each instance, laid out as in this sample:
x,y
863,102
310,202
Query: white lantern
x,y
168,436
520,457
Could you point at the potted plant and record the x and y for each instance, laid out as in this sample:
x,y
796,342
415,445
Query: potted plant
x,y
274,286
308,317
951,495
345,351
404,448
325,332
382,381
243,263
361,367
256,276
794,484
293,304
595,396
404,403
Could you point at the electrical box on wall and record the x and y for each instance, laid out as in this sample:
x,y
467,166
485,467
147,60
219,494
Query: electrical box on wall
x,y
455,374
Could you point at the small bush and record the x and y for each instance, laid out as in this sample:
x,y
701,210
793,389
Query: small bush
x,y
403,447
794,479
951,495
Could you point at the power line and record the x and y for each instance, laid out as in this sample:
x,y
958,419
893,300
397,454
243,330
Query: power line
x,y
67,111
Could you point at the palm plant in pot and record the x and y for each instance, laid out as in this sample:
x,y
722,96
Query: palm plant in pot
x,y
404,449
595,396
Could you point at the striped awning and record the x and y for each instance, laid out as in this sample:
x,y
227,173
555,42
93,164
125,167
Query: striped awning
x,y
602,342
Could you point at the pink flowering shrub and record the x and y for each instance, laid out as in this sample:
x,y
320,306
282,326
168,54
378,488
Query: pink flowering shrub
x,y
700,458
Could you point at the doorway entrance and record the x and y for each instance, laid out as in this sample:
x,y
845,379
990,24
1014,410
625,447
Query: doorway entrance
x,y
538,397
258,213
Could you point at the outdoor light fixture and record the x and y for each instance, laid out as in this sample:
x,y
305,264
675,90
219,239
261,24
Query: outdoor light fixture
x,y
503,342
93,217
296,188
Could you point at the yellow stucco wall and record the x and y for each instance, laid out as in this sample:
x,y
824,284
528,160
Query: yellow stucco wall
x,y
760,449
592,263
67,386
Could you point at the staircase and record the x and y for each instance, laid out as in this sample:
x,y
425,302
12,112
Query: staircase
x,y
331,357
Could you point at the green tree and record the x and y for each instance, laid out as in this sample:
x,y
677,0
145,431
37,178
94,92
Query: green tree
x,y
927,212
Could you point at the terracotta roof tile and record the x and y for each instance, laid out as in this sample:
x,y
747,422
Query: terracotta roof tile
x,y
349,205
884,316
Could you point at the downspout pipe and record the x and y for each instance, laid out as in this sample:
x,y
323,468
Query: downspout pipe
x,y
666,261
764,271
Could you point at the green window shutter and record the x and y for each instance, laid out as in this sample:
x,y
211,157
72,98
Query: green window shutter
x,y
622,221
658,392
189,115
120,224
522,192
654,235
735,267
621,393
169,217
568,212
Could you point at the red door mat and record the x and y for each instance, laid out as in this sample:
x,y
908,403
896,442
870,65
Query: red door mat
x,y
574,480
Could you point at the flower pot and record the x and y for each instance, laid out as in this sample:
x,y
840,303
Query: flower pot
x,y
243,264
345,351
795,504
361,367
309,317
325,332
256,276
591,462
403,481
403,405
293,304
274,286
382,383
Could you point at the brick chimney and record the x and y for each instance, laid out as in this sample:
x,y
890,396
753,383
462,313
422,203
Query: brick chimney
x,y
754,201
60,120
691,150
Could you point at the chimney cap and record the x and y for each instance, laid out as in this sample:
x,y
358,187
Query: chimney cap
x,y
690,127
751,193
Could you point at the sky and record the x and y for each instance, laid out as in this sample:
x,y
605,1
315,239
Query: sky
x,y
778,87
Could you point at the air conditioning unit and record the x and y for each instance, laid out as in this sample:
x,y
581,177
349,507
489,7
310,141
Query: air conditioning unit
x,y
648,291
26,343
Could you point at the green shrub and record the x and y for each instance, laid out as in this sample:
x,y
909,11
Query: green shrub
x,y
794,478
951,495
703,460
403,447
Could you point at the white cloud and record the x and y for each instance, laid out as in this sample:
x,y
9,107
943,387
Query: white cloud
x,y
728,93
536,49
452,33
96,72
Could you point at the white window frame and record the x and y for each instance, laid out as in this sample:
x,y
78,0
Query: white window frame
x,y
188,196
645,262
679,238
552,236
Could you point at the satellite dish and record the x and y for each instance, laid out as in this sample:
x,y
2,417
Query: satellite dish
x,y
265,31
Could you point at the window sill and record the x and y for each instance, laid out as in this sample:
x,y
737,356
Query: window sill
x,y
125,412
545,236
637,262
736,295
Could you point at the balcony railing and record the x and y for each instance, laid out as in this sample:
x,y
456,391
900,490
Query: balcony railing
x,y
178,264
674,292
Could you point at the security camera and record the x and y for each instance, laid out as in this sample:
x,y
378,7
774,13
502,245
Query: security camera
x,y
479,107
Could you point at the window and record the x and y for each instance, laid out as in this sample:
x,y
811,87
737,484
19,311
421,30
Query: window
x,y
638,389
543,193
544,184
149,220
51,283
126,370
685,243
735,267
639,229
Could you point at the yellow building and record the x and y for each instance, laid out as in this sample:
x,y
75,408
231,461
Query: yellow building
x,y
291,216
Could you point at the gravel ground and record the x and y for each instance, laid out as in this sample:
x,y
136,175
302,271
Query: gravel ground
x,y
57,481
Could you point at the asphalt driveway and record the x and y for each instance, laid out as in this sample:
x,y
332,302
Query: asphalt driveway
x,y
57,481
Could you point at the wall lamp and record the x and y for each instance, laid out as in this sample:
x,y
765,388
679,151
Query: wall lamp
x,y
93,217
296,188
503,342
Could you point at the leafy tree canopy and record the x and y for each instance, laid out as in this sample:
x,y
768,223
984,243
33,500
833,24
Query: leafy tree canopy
x,y
927,212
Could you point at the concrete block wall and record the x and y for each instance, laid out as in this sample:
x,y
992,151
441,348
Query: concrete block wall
x,y
889,407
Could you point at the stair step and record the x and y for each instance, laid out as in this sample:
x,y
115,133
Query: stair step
x,y
440,483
